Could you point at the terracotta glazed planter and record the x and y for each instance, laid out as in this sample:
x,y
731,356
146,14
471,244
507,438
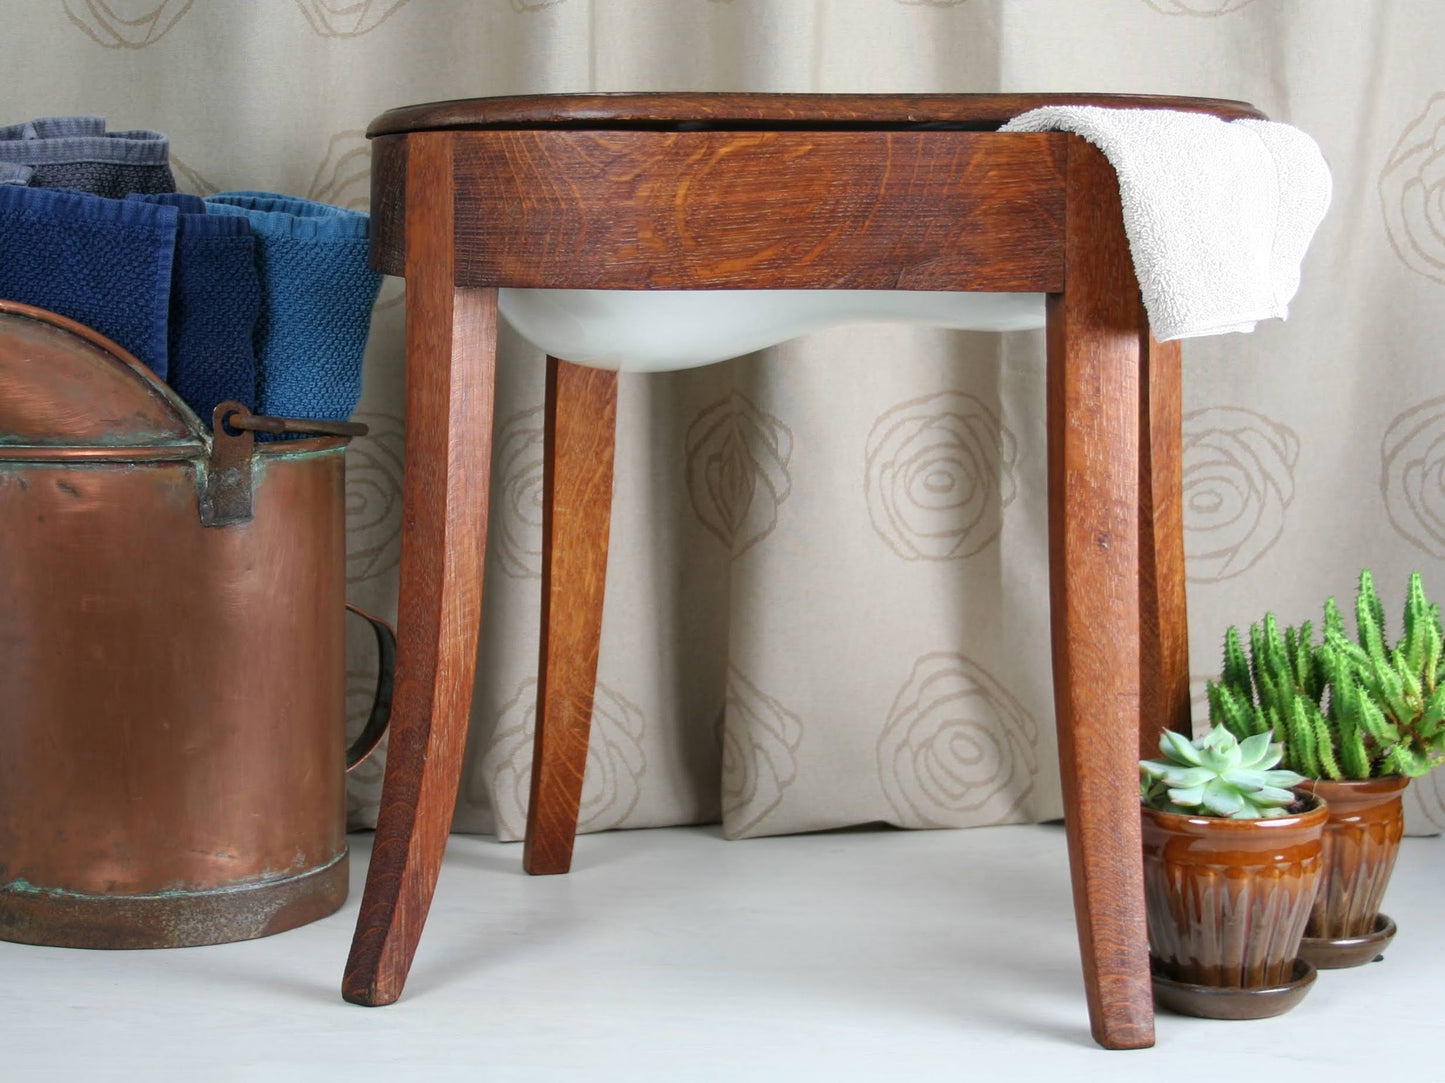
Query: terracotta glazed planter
x,y
1228,901
1361,841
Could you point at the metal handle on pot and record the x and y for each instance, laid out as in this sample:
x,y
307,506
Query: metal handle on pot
x,y
376,723
227,496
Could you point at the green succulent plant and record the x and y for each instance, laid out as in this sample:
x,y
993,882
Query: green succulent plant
x,y
1218,775
1343,709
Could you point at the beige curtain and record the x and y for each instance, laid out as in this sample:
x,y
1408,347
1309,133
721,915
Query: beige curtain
x,y
827,598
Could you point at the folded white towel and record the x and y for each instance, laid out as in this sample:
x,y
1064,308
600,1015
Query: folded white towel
x,y
1218,214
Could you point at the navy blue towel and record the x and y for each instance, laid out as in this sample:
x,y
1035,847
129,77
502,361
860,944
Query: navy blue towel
x,y
317,290
77,152
104,262
215,300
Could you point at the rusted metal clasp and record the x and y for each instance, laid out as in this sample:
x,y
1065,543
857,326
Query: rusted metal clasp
x,y
226,497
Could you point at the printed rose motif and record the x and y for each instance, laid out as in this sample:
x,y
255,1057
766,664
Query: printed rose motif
x,y
760,739
347,18
188,180
363,785
938,472
1238,484
373,498
1412,475
957,748
126,24
1425,804
1412,192
518,497
344,176
611,782
737,470
1205,8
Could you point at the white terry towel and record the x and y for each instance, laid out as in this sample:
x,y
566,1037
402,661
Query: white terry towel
x,y
1218,213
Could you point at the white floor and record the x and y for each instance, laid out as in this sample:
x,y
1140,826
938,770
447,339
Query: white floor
x,y
674,955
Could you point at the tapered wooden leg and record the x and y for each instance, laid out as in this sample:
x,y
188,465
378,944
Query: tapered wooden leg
x,y
451,358
1164,625
581,424
1094,330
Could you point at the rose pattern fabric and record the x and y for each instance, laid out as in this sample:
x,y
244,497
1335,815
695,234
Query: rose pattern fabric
x,y
938,471
1206,8
1238,484
189,180
957,748
1412,475
118,24
760,739
373,498
611,784
348,18
344,176
1412,192
517,535
737,470
275,96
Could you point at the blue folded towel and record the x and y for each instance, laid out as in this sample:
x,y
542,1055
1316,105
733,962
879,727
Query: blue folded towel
x,y
317,290
77,152
10,173
215,301
104,262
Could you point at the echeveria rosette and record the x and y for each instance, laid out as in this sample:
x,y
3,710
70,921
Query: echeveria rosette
x,y
1218,775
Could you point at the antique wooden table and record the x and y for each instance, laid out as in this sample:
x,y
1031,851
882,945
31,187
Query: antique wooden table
x,y
694,192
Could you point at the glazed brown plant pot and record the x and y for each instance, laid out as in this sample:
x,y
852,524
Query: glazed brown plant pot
x,y
1361,841
1228,900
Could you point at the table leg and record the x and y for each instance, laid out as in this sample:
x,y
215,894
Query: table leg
x,y
581,423
451,361
1164,626
1094,336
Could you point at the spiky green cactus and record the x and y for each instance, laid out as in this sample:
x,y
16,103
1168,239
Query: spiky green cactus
x,y
1385,712
1218,776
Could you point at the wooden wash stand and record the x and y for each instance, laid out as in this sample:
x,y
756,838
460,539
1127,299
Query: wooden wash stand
x,y
621,192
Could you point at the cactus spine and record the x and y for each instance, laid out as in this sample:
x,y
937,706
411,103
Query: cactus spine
x,y
1341,709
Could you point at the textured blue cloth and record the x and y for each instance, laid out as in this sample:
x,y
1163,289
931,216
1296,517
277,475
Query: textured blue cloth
x,y
215,301
317,290
104,262
77,152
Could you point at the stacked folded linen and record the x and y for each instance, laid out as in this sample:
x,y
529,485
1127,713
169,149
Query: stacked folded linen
x,y
77,152
215,301
104,262
248,296
317,289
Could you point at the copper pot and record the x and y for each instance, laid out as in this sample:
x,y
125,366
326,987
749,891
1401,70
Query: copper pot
x,y
1361,841
172,663
1228,900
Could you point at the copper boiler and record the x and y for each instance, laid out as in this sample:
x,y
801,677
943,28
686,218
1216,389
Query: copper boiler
x,y
172,657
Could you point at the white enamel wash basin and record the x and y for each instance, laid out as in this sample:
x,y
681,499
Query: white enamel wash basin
x,y
658,330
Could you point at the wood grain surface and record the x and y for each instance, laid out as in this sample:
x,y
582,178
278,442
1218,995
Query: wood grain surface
x,y
581,421
1095,328
760,210
695,111
1164,624
451,358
